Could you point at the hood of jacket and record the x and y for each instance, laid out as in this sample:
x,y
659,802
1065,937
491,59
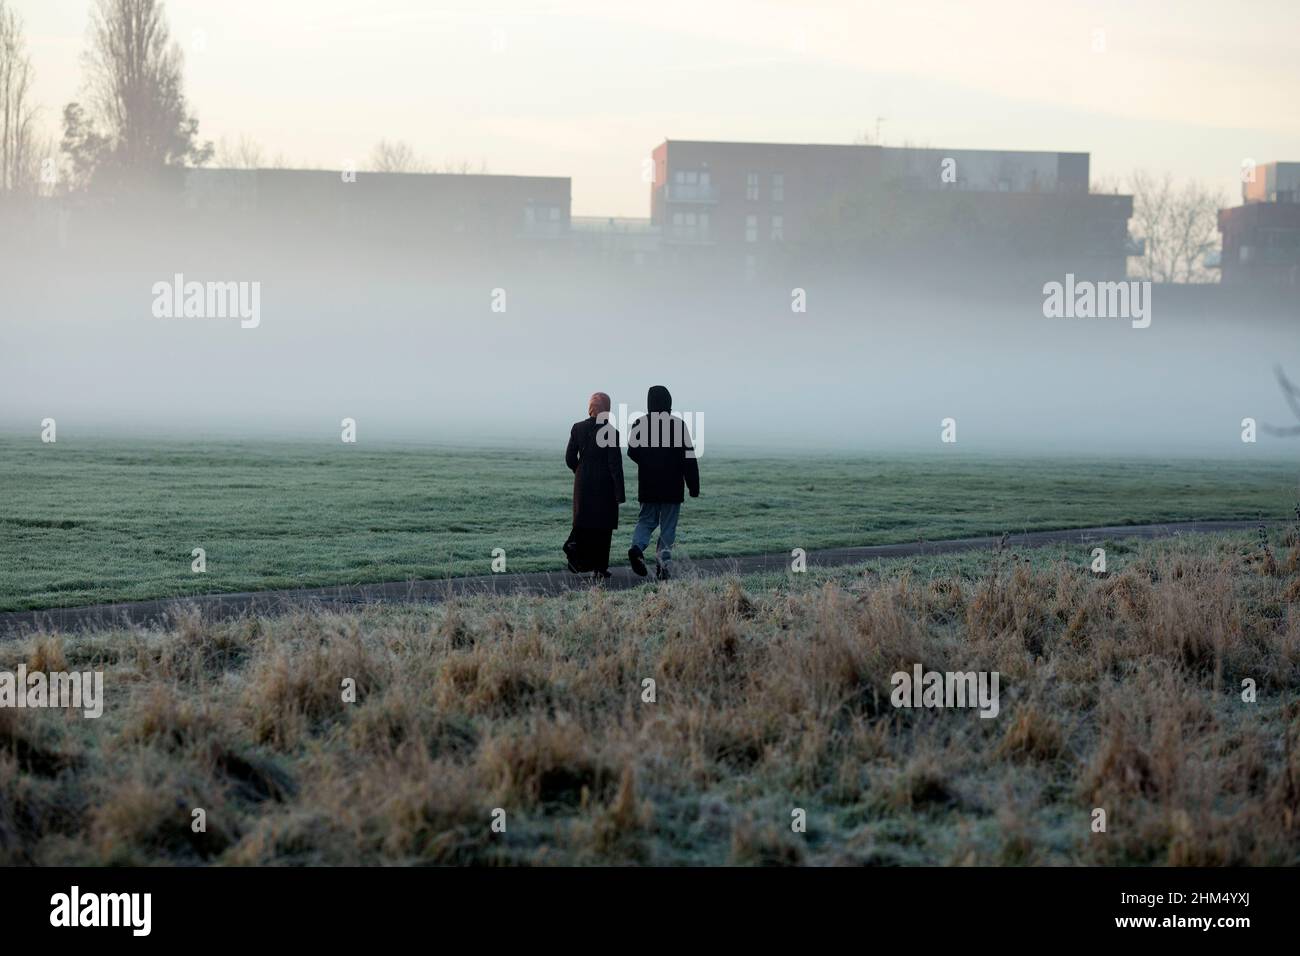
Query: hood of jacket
x,y
658,399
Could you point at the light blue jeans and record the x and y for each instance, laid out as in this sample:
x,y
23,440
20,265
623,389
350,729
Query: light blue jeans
x,y
664,515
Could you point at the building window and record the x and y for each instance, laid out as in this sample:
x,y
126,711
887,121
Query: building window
x,y
751,187
778,187
751,229
778,228
691,184
541,220
690,225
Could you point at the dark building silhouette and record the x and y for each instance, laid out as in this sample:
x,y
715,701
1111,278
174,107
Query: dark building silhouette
x,y
443,211
1261,237
747,205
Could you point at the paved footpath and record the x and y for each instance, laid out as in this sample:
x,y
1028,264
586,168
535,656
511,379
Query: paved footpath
x,y
218,606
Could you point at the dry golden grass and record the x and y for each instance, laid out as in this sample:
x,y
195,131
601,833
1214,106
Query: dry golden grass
x,y
1121,692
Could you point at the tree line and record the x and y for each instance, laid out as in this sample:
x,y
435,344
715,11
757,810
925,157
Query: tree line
x,y
131,120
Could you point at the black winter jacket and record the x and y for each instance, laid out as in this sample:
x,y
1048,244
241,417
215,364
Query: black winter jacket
x,y
658,442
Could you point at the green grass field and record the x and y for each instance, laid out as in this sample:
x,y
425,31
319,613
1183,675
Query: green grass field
x,y
94,521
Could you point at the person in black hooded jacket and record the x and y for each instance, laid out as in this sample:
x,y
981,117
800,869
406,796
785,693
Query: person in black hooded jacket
x,y
596,460
660,444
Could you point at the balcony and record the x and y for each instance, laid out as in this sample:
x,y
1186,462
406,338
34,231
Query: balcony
x,y
691,192
613,225
614,234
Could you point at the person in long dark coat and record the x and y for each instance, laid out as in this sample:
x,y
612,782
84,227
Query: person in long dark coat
x,y
596,460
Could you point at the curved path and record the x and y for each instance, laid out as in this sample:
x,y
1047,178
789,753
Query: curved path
x,y
217,606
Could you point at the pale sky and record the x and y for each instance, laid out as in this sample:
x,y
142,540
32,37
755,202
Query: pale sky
x,y
586,88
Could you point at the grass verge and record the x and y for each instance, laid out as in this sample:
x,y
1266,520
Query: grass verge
x,y
772,693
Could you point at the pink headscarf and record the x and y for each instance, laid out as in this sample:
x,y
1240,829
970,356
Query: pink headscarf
x,y
599,402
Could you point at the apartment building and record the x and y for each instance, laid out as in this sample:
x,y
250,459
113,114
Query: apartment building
x,y
430,210
747,205
1261,237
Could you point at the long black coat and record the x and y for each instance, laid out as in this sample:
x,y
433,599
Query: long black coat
x,y
597,475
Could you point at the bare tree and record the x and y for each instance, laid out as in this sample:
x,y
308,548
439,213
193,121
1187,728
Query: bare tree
x,y
396,156
246,153
464,167
1291,392
1179,224
19,156
43,165
137,117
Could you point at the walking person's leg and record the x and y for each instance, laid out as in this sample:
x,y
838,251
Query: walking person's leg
x,y
668,513
573,553
600,540
593,551
645,526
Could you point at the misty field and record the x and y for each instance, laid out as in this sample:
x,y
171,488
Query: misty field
x,y
771,694
95,521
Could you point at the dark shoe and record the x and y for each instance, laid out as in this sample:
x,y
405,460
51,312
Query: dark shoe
x,y
636,558
598,578
661,572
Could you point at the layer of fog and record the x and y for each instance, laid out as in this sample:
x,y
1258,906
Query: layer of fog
x,y
424,358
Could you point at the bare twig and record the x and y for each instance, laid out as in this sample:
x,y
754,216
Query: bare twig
x,y
1292,395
